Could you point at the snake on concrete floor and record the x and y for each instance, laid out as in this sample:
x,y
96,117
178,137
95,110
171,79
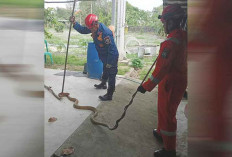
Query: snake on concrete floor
x,y
75,105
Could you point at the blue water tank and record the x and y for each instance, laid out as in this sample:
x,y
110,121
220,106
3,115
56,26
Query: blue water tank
x,y
94,64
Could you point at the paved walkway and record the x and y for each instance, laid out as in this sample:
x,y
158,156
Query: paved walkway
x,y
68,118
134,134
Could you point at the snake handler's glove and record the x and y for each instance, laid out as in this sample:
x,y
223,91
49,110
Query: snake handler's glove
x,y
141,89
72,19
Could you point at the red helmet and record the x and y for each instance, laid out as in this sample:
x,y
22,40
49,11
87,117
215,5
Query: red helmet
x,y
90,20
171,11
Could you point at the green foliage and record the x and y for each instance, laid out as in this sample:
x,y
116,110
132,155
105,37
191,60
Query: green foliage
x,y
156,23
63,14
56,40
47,34
60,47
137,17
59,27
102,8
50,18
72,60
149,60
75,60
143,73
137,63
131,56
122,70
83,42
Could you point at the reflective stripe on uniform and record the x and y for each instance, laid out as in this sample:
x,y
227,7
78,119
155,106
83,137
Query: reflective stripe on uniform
x,y
175,40
167,133
154,80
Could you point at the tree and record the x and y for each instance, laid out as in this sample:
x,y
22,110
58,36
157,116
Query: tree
x,y
137,17
156,23
63,14
102,8
49,17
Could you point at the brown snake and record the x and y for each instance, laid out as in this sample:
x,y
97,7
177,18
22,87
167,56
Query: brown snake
x,y
75,105
93,109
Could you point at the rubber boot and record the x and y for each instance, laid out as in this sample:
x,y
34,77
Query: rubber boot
x,y
164,153
108,96
157,136
102,85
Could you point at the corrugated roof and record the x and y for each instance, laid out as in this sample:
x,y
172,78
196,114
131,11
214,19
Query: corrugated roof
x,y
183,3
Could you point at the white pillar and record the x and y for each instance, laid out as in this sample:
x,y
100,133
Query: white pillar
x,y
123,52
113,19
118,23
120,28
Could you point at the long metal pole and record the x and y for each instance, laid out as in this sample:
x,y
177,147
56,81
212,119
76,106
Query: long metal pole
x,y
66,58
91,7
132,99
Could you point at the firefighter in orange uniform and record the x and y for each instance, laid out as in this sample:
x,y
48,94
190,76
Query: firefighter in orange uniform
x,y
171,75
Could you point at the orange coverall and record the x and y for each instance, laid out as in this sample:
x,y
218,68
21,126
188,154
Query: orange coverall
x,y
171,75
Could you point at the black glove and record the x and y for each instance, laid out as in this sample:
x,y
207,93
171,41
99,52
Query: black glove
x,y
141,89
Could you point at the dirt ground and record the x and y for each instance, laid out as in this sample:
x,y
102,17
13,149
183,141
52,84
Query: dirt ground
x,y
134,136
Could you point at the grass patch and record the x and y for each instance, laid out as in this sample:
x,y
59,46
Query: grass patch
x,y
78,56
79,51
131,56
140,37
156,42
75,60
72,60
149,60
143,72
121,64
122,70
56,40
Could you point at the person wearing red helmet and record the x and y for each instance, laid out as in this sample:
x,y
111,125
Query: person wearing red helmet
x,y
107,51
171,75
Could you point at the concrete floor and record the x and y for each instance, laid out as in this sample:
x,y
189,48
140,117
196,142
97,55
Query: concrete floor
x,y
22,117
68,118
133,136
